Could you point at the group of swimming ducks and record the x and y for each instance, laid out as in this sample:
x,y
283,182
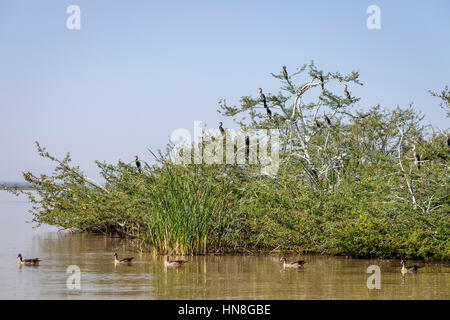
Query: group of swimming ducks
x,y
300,263
168,263
179,263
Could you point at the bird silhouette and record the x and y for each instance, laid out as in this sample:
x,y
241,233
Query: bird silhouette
x,y
247,147
263,97
347,94
269,113
313,170
138,164
222,130
416,157
317,124
285,74
327,119
321,81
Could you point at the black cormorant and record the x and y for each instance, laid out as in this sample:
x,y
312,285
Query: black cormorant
x,y
347,94
416,157
327,119
263,97
285,74
269,113
247,147
138,164
321,81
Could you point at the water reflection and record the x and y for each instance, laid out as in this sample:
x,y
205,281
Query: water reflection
x,y
203,277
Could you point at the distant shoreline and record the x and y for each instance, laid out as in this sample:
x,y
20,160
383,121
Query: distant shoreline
x,y
20,185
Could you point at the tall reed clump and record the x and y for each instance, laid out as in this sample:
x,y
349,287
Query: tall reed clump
x,y
189,209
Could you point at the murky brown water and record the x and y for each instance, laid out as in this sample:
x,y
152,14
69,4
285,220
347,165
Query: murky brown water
x,y
204,277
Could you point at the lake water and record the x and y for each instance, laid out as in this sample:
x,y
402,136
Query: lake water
x,y
204,277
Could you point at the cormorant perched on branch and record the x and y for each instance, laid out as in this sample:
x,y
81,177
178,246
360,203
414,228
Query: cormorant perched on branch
x,y
263,97
269,113
222,130
313,170
416,157
247,147
326,119
321,81
317,123
347,94
138,164
285,74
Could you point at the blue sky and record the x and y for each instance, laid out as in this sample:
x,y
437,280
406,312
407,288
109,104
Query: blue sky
x,y
137,70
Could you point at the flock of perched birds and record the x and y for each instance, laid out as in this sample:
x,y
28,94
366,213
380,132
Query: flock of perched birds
x,y
327,120
298,264
286,77
269,112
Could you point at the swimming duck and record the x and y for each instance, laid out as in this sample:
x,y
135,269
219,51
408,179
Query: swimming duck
x,y
33,262
174,263
409,269
295,264
123,260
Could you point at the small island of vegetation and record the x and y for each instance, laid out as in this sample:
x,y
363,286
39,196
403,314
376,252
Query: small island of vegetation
x,y
370,183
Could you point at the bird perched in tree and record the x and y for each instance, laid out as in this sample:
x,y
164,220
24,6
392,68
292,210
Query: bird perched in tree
x,y
317,123
263,97
269,113
327,119
222,130
347,94
321,81
247,147
285,74
416,157
313,170
138,164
